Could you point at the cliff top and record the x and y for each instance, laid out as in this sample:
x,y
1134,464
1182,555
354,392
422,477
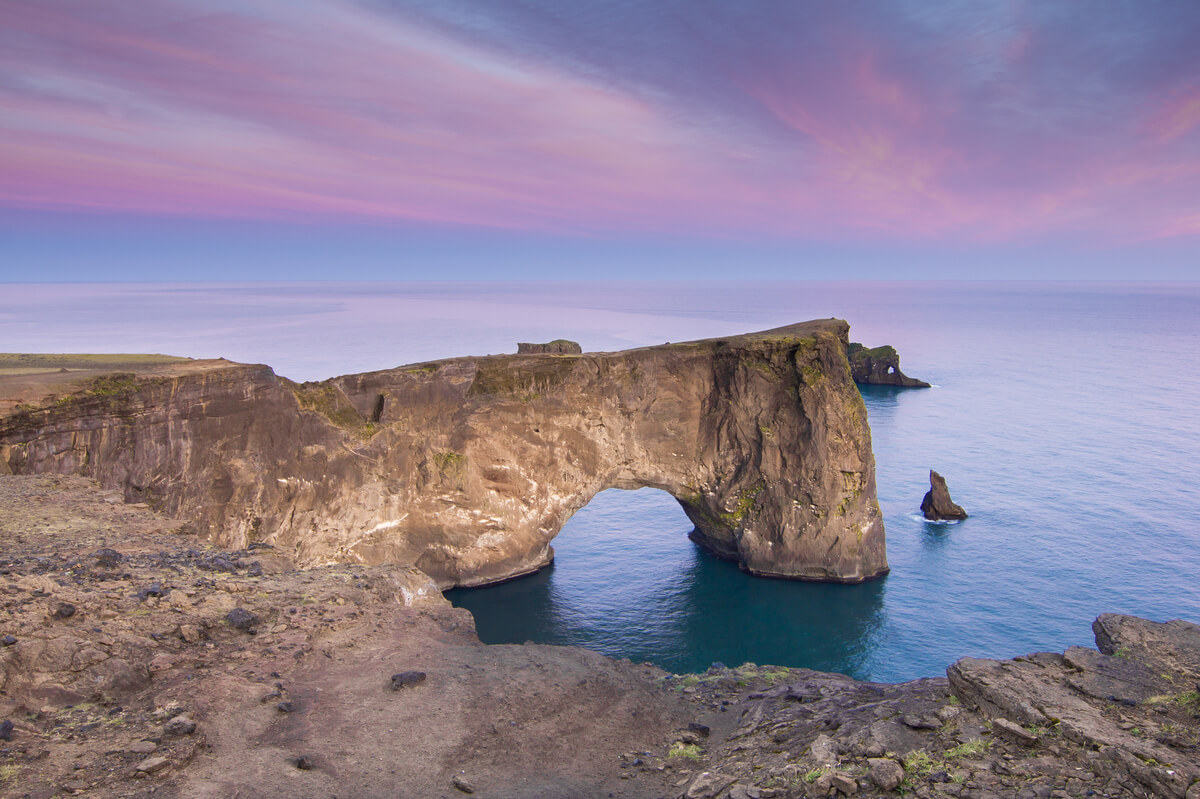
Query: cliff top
x,y
28,378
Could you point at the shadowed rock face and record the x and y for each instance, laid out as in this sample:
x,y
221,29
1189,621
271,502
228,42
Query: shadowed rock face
x,y
879,366
468,467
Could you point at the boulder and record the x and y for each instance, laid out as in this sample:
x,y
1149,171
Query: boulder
x,y
937,504
886,773
707,784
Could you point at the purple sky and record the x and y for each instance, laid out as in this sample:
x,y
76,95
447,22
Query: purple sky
x,y
185,139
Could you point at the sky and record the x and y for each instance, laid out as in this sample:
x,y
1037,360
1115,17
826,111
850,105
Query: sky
x,y
532,139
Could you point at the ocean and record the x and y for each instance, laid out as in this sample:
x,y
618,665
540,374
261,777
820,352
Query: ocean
x,y
1064,417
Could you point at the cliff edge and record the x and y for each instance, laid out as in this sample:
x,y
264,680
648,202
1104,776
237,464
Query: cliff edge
x,y
468,467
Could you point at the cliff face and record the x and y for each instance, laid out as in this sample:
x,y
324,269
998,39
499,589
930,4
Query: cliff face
x,y
468,467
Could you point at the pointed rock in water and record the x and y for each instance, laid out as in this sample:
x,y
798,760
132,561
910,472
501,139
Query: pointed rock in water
x,y
937,505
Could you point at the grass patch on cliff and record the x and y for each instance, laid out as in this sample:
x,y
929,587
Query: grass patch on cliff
x,y
115,385
521,377
36,363
745,504
973,748
332,403
688,751
452,466
920,764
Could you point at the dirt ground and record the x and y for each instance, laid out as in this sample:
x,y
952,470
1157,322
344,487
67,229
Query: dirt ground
x,y
298,701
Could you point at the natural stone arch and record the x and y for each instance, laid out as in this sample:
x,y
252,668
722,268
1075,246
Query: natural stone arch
x,y
469,467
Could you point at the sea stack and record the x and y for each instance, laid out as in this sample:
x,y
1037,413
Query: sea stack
x,y
879,366
937,505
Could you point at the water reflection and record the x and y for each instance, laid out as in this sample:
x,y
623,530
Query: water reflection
x,y
629,583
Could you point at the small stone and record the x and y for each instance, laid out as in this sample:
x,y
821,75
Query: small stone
x,y
179,600
6,730
885,772
462,784
180,725
843,783
407,679
240,619
1014,731
303,763
920,722
161,663
699,729
142,747
107,558
824,751
65,610
152,764
285,707
279,628
155,590
219,564
8,640
190,633
706,785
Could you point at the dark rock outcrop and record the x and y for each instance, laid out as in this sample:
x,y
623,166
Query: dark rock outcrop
x,y
1134,704
560,346
879,366
937,505
467,468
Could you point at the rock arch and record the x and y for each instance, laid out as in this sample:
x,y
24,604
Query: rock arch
x,y
469,467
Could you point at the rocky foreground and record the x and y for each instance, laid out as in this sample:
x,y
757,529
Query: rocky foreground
x,y
135,661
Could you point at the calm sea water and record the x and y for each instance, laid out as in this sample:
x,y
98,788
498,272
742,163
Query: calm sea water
x,y
1064,418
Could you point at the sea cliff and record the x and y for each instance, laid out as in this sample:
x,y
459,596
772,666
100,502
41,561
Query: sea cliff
x,y
467,468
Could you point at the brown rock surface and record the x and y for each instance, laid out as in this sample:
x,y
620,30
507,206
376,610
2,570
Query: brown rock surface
x,y
523,722
529,721
467,468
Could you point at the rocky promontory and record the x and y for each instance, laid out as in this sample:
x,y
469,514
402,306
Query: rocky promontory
x,y
467,468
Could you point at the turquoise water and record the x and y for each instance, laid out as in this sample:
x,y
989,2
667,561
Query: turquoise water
x,y
1064,418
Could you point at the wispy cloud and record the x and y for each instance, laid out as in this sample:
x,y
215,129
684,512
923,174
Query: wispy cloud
x,y
973,122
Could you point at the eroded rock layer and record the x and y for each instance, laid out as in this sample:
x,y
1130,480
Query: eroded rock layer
x,y
468,467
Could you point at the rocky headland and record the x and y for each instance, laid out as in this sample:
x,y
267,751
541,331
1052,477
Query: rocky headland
x,y
467,468
137,660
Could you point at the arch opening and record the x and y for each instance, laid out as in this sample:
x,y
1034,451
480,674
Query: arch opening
x,y
628,582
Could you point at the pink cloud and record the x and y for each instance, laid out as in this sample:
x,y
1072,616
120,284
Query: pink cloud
x,y
283,111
